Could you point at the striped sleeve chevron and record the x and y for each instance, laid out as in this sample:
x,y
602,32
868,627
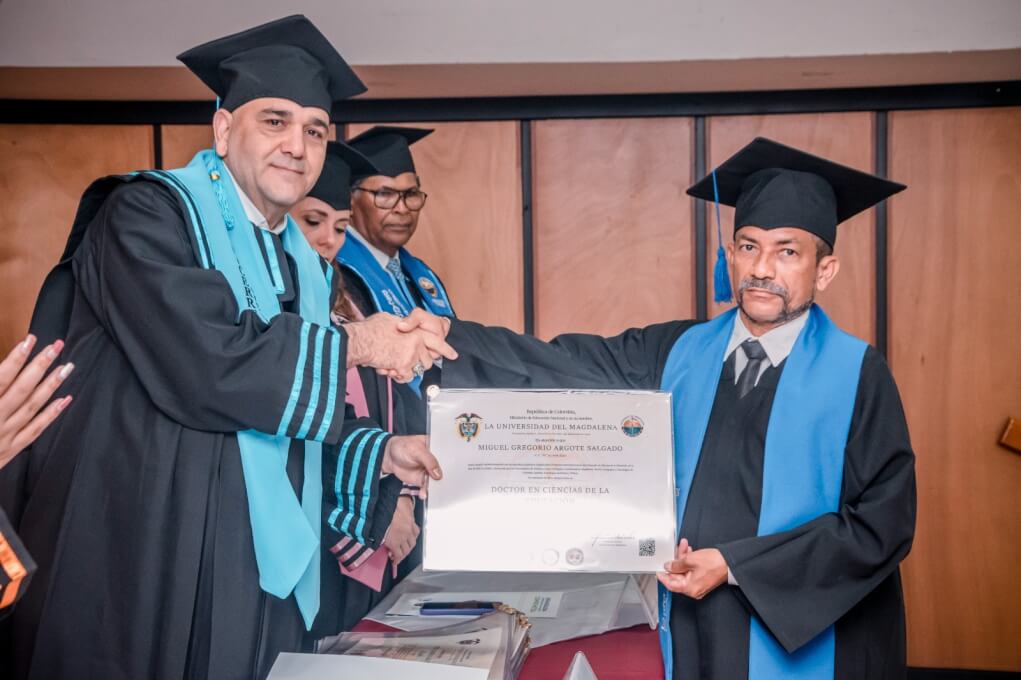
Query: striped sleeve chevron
x,y
353,481
314,410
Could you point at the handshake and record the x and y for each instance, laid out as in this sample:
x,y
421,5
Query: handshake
x,y
402,349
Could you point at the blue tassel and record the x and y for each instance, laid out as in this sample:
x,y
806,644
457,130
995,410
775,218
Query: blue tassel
x,y
721,278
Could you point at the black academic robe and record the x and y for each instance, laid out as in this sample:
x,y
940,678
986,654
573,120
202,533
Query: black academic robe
x,y
840,568
134,502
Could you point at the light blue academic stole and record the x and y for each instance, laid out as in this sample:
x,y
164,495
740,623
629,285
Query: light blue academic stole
x,y
386,294
804,455
286,532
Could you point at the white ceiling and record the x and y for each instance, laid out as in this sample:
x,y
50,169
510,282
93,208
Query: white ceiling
x,y
54,33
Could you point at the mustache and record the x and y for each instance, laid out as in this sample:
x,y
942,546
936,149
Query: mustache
x,y
764,284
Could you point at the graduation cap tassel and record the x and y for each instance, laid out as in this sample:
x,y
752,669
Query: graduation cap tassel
x,y
721,277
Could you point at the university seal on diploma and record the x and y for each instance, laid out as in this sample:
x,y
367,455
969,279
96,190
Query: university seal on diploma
x,y
548,480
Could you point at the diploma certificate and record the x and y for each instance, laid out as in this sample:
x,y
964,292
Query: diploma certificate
x,y
545,480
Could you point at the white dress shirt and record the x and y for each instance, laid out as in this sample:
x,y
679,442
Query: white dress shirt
x,y
777,343
382,258
253,214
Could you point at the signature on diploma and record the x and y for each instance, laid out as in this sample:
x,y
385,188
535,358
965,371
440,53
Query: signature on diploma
x,y
614,541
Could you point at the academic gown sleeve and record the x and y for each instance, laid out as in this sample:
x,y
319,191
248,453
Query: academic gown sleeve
x,y
357,503
409,417
498,357
801,581
178,326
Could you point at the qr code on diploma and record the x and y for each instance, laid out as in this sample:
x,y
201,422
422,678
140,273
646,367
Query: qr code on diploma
x,y
647,547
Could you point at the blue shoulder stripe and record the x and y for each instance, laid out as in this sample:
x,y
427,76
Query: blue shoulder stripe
x,y
331,393
339,476
313,397
205,255
328,271
367,486
353,476
299,376
274,265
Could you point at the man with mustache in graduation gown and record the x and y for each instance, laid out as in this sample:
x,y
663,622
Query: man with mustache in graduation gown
x,y
795,474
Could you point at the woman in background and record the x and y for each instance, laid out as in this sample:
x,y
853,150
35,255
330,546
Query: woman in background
x,y
355,577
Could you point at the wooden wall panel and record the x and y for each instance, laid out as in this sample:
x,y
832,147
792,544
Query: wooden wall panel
x,y
613,227
43,171
844,137
182,142
470,229
955,275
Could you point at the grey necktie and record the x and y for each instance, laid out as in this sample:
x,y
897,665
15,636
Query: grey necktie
x,y
393,266
756,355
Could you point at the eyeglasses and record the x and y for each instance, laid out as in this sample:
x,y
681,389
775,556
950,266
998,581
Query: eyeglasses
x,y
387,199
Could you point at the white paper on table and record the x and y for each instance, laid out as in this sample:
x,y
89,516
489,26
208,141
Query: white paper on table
x,y
289,666
473,650
591,603
551,481
541,605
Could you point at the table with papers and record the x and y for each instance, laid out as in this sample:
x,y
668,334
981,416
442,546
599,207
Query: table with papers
x,y
609,617
630,654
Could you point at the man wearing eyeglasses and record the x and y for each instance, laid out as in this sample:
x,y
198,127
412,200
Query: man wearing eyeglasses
x,y
379,273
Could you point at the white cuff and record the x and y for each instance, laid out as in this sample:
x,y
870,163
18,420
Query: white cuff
x,y
730,578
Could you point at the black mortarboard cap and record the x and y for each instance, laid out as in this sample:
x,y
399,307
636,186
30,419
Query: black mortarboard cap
x,y
387,148
288,58
772,185
341,164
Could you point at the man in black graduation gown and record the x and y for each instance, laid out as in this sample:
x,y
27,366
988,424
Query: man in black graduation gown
x,y
380,273
204,393
795,471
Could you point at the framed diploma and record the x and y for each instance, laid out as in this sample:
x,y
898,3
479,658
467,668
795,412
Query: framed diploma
x,y
549,481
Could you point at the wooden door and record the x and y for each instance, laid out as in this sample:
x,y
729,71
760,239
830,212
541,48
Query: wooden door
x,y
614,242
43,171
955,334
